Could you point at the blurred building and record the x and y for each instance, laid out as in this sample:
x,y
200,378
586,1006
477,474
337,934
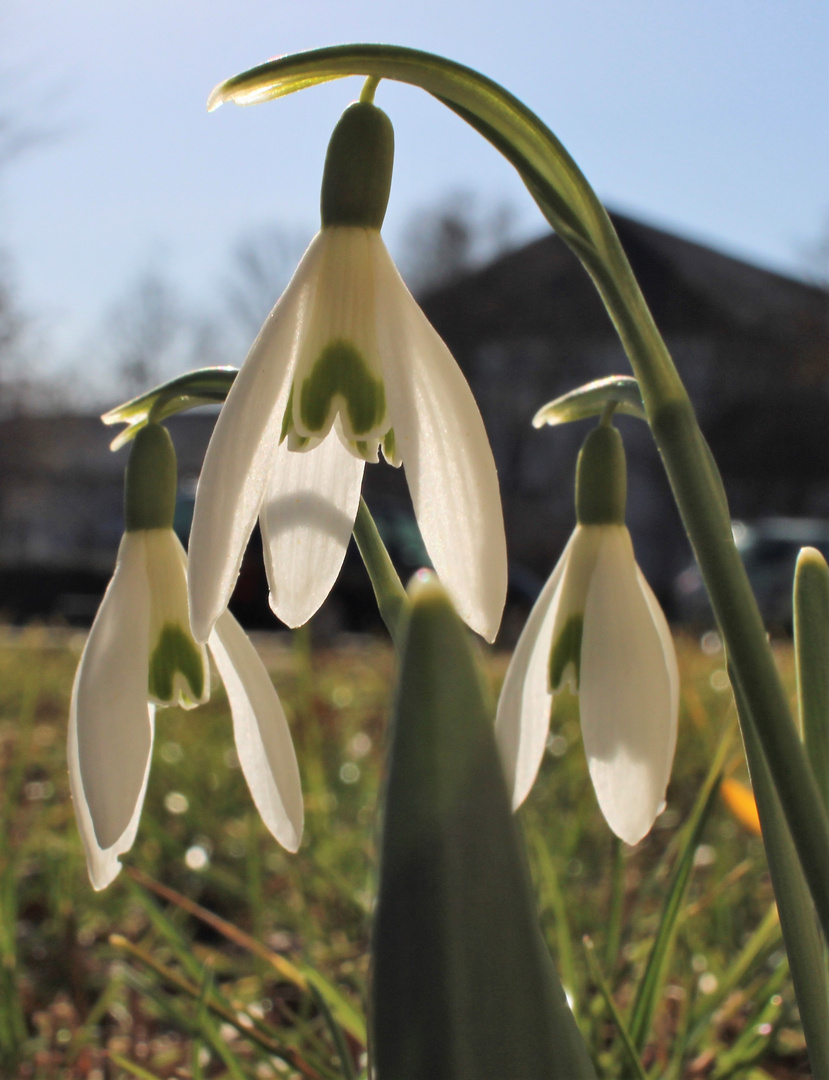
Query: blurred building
x,y
752,347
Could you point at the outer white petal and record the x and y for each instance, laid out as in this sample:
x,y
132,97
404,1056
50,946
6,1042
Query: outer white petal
x,y
446,454
626,697
669,652
263,740
523,717
235,471
110,722
306,520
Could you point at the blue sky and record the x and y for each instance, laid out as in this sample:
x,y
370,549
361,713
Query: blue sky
x,y
708,117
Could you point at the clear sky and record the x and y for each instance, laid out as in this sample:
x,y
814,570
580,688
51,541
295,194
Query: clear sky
x,y
708,117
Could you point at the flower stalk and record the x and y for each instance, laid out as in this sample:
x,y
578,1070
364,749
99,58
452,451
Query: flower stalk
x,y
573,209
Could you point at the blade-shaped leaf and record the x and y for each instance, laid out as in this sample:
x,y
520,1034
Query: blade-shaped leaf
x,y
811,638
801,934
463,984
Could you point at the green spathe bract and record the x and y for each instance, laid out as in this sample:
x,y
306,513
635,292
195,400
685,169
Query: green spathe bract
x,y
175,653
151,481
463,985
340,371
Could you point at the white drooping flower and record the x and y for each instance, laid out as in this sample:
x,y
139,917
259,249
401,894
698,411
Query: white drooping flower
x,y
139,655
346,364
598,626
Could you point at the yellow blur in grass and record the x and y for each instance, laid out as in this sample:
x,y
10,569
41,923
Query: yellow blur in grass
x,y
740,801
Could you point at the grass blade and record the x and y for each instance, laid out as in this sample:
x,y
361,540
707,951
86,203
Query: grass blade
x,y
550,892
300,975
647,995
597,975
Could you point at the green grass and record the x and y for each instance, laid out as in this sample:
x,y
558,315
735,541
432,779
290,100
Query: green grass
x,y
173,996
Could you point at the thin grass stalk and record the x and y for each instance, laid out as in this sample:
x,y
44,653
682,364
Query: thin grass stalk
x,y
337,1036
300,976
225,1012
647,993
550,889
630,1051
616,906
764,937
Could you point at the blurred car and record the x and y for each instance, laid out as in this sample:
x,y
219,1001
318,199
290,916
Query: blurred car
x,y
769,548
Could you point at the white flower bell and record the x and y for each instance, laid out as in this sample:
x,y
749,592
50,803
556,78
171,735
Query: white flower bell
x,y
598,626
346,363
140,654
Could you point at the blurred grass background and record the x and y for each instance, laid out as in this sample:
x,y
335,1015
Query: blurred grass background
x,y
128,983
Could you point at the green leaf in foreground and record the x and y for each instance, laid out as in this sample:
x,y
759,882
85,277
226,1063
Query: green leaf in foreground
x,y
204,386
801,933
811,639
620,391
463,985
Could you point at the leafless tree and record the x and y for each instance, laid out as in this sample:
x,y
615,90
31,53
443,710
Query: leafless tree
x,y
144,333
261,267
444,241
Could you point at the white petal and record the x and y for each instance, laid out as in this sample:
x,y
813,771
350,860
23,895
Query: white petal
x,y
169,612
110,722
449,465
523,717
241,450
669,652
343,316
263,740
626,697
306,520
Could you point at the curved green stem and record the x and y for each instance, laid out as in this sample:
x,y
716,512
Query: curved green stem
x,y
392,599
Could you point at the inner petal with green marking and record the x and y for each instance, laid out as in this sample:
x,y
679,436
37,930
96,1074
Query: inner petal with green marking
x,y
176,667
340,381
565,656
178,672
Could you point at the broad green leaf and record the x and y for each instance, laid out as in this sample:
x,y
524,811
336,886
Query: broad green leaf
x,y
801,934
620,391
204,386
463,985
811,639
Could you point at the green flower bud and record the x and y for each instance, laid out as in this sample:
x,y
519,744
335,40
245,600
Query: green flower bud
x,y
357,178
601,478
151,481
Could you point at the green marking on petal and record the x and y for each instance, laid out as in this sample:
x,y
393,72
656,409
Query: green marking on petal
x,y
341,370
175,652
390,446
288,418
567,650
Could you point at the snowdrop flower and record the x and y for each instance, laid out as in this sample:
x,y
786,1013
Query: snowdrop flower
x,y
139,655
598,626
346,364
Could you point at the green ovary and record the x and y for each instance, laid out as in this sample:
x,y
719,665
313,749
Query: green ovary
x,y
175,652
341,371
567,650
